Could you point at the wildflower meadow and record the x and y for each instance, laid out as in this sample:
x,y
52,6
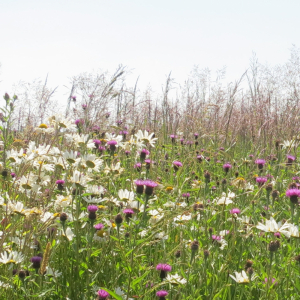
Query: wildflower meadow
x,y
190,199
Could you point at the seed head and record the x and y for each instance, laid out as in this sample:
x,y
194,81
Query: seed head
x,y
274,246
195,246
177,253
63,217
118,219
206,254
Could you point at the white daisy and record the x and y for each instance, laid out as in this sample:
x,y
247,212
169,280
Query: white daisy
x,y
125,195
52,272
293,231
114,169
47,216
146,137
273,226
242,277
59,121
92,161
175,279
113,137
69,234
70,156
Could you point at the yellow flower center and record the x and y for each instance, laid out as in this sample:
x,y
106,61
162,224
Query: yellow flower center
x,y
44,126
26,186
100,233
90,164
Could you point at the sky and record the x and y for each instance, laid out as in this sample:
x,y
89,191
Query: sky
x,y
63,38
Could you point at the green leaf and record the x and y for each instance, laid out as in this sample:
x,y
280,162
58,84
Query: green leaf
x,y
96,253
136,281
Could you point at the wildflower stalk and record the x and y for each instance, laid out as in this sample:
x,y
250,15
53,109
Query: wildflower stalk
x,y
269,272
145,207
292,211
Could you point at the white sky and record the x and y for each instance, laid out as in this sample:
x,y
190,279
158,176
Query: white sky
x,y
151,37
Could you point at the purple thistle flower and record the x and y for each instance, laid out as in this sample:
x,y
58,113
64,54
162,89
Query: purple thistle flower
x,y
60,181
260,163
99,226
173,137
226,167
148,163
164,269
127,152
293,194
79,122
176,165
200,158
277,234
222,148
150,185
92,212
102,294
128,213
84,106
112,145
60,184
251,156
97,143
216,237
138,166
36,262
290,159
162,294
235,211
13,175
144,153
73,98
187,195
139,186
101,149
92,208
196,135
261,180
96,128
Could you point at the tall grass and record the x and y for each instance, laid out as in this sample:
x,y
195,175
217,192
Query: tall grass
x,y
74,222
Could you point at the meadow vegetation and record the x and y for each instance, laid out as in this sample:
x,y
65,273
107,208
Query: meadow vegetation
x,y
192,194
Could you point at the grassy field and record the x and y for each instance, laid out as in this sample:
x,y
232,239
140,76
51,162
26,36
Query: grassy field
x,y
181,200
